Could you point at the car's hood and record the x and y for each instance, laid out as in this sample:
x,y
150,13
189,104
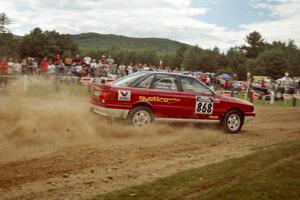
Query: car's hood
x,y
233,100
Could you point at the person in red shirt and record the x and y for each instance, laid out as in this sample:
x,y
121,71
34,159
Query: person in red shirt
x,y
57,59
3,71
78,59
203,78
44,66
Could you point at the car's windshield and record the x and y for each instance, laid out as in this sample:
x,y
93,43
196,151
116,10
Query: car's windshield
x,y
127,80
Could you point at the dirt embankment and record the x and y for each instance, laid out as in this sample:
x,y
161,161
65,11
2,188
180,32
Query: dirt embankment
x,y
54,148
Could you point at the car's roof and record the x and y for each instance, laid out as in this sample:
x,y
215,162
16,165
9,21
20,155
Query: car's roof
x,y
167,73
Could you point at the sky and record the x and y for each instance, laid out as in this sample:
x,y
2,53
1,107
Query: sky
x,y
206,23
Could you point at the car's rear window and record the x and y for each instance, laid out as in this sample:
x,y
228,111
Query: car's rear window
x,y
127,80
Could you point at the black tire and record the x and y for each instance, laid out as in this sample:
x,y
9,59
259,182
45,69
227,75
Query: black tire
x,y
140,116
232,121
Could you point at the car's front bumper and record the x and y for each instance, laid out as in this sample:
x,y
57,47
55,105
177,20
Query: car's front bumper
x,y
249,116
110,112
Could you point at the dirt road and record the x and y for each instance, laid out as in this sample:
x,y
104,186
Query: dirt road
x,y
57,149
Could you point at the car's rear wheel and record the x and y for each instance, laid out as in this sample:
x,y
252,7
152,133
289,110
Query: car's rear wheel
x,y
232,121
140,116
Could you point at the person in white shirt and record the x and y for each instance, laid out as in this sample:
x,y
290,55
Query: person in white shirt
x,y
10,65
94,64
122,70
51,68
130,69
17,68
94,68
87,60
78,70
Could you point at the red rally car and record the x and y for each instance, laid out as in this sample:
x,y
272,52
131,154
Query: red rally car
x,y
143,97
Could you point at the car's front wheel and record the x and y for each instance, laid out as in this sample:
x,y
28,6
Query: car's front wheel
x,y
140,116
232,121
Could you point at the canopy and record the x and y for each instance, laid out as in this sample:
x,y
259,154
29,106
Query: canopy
x,y
225,76
285,80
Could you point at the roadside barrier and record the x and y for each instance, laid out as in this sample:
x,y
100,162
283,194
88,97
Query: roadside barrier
x,y
292,98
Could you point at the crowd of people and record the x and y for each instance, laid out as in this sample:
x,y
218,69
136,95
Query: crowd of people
x,y
104,67
76,66
71,66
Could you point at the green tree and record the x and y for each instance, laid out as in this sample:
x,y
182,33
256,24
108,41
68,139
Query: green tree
x,y
41,44
236,58
168,61
4,21
255,44
293,58
192,59
178,59
8,42
8,45
272,63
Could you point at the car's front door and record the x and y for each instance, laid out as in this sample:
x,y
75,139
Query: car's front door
x,y
198,102
164,96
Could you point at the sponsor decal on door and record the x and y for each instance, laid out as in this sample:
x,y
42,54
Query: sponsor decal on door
x,y
158,99
124,95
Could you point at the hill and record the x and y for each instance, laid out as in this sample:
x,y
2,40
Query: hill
x,y
95,41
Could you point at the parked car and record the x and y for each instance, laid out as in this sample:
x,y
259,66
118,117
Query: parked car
x,y
143,97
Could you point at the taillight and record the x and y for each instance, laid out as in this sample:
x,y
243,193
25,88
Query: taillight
x,y
108,96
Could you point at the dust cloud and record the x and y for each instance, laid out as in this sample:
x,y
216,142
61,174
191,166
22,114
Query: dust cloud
x,y
34,119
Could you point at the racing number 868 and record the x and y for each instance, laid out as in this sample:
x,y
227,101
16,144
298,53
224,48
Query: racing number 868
x,y
204,106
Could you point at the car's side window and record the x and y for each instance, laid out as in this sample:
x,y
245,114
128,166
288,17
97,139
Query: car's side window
x,y
165,82
192,85
146,82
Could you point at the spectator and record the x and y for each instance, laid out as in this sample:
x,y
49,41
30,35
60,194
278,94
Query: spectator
x,y
145,67
87,60
30,66
68,61
94,68
16,68
122,70
129,69
135,67
61,68
3,71
78,70
24,67
77,60
102,61
51,68
44,66
57,59
110,61
10,65
227,85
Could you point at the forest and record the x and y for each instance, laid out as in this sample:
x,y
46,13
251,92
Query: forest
x,y
256,55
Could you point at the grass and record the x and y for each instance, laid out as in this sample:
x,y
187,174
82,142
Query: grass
x,y
285,103
267,174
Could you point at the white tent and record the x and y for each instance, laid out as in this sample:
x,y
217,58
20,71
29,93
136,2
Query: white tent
x,y
285,80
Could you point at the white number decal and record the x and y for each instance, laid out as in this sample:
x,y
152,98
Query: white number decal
x,y
204,105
